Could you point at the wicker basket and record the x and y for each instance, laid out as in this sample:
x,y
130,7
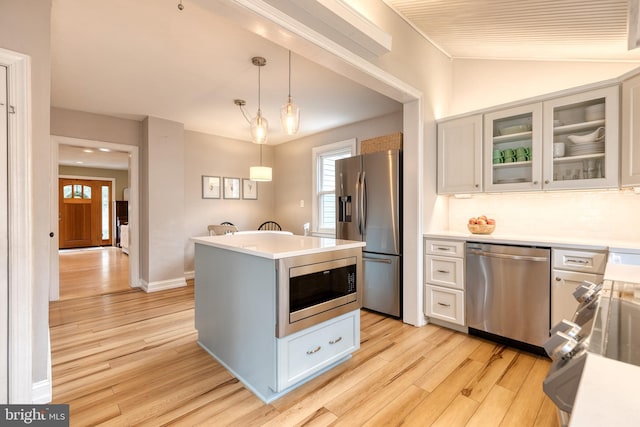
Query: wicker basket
x,y
481,228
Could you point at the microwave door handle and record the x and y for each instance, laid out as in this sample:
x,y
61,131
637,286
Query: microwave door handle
x,y
363,203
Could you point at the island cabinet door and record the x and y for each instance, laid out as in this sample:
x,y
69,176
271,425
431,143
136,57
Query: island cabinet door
x,y
311,350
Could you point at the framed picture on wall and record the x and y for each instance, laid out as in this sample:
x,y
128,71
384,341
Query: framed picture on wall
x,y
231,188
249,189
210,187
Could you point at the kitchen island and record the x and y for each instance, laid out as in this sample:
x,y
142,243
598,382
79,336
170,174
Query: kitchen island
x,y
243,316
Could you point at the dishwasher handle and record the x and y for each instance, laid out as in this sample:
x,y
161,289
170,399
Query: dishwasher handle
x,y
507,256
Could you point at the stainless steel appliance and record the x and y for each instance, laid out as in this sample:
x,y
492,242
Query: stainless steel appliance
x,y
317,287
571,267
508,293
369,208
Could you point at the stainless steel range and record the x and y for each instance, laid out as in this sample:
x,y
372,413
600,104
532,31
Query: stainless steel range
x,y
606,324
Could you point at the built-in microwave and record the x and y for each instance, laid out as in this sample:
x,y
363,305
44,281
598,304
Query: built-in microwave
x,y
317,287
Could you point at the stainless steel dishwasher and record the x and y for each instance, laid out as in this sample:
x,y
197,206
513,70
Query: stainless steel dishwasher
x,y
508,294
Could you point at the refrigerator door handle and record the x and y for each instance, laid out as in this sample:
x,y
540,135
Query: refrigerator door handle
x,y
381,260
357,202
363,204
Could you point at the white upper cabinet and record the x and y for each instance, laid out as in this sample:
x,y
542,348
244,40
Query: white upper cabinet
x,y
630,156
581,140
460,155
513,149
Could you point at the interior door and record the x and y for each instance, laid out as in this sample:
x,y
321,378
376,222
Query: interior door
x,y
80,216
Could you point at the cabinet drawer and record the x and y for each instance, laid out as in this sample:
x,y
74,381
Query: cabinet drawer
x,y
444,247
445,304
308,351
583,261
445,271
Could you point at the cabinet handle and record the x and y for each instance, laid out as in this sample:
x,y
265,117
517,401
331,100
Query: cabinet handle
x,y
444,305
337,340
577,261
443,271
440,248
558,279
477,185
315,350
546,181
535,182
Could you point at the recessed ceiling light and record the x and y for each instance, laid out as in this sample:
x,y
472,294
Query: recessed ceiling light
x,y
106,150
87,150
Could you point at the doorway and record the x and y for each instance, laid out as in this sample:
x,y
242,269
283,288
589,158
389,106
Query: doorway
x,y
107,263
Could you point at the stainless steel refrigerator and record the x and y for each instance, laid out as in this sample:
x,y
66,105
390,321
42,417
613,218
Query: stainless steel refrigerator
x,y
369,208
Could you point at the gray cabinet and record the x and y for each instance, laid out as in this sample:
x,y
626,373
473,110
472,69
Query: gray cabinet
x,y
630,142
460,155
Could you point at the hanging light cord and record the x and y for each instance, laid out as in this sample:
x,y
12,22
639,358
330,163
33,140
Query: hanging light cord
x,y
289,76
259,111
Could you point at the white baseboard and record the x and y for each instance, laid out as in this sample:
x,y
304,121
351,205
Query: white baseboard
x,y
162,285
41,392
188,275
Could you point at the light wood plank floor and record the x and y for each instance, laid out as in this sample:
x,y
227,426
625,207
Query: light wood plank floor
x,y
131,358
93,271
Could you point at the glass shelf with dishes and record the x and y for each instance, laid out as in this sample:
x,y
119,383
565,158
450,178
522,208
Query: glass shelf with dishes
x,y
514,136
582,143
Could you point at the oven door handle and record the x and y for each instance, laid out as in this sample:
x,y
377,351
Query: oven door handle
x,y
506,256
381,260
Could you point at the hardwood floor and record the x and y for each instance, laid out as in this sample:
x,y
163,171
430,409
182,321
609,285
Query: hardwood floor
x,y
93,271
131,358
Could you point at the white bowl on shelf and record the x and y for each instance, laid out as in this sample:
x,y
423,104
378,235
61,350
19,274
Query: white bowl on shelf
x,y
510,130
595,136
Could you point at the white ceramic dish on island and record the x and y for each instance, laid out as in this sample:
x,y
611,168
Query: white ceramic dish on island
x,y
594,136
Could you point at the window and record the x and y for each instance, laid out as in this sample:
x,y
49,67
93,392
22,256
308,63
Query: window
x,y
324,200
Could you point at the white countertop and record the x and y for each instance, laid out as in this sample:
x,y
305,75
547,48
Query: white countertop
x,y
607,395
538,240
276,245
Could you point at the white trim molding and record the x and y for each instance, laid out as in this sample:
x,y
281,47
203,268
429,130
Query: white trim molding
x,y
20,215
162,285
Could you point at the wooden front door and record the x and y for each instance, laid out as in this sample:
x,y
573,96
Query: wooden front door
x,y
81,213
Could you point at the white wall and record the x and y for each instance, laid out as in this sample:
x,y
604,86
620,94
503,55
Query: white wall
x,y
217,156
480,83
162,210
293,167
609,216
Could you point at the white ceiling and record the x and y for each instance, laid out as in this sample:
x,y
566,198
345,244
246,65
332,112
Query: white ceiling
x,y
593,30
145,57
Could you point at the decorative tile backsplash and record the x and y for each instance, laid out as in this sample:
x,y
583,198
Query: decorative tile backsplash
x,y
608,215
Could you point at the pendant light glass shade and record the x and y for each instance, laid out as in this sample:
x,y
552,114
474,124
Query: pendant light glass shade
x,y
259,129
290,113
260,173
290,117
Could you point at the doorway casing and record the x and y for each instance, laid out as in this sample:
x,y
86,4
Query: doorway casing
x,y
134,179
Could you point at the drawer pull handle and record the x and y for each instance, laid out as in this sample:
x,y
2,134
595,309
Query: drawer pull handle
x,y
443,271
443,249
444,305
337,340
577,261
315,350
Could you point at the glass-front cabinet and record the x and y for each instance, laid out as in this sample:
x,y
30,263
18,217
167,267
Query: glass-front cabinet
x,y
513,149
581,139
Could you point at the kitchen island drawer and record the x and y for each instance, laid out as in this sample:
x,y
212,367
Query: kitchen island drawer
x,y
302,354
444,271
444,304
593,262
444,247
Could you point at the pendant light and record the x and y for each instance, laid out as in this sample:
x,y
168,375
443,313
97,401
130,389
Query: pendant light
x,y
260,173
289,112
259,125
